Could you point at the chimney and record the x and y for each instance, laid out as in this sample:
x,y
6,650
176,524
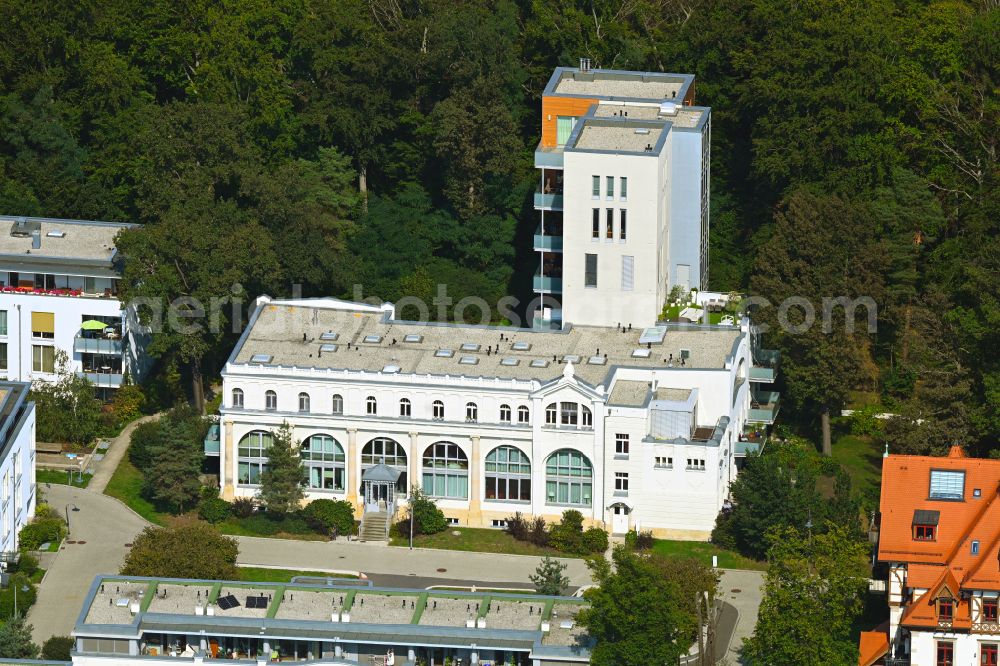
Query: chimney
x,y
584,64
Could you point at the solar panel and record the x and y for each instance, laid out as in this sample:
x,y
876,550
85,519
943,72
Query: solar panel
x,y
251,602
227,602
257,602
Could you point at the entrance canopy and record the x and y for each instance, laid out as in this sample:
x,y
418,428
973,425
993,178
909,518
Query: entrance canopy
x,y
381,473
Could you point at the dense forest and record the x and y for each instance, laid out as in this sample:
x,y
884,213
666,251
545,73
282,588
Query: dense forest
x,y
388,143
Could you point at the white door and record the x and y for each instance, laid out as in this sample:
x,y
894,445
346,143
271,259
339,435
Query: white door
x,y
684,277
619,519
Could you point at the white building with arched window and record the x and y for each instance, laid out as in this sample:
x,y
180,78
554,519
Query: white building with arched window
x,y
637,429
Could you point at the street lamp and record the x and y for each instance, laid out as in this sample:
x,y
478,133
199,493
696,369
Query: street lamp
x,y
24,588
75,508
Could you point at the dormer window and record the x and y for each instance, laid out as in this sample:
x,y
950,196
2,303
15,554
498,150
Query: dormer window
x,y
946,609
925,525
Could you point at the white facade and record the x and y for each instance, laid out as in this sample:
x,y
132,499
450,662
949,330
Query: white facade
x,y
17,463
47,292
623,196
582,433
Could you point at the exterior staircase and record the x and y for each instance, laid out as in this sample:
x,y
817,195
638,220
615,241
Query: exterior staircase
x,y
374,526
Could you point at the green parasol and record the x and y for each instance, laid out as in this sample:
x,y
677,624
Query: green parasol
x,y
93,325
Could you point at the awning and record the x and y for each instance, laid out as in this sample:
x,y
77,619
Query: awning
x,y
382,473
925,517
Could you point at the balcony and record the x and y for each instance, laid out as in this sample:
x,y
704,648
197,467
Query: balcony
x,y
765,369
763,407
548,158
211,442
103,379
99,345
548,200
547,284
547,242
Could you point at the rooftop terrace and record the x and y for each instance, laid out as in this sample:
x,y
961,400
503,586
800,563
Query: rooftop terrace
x,y
617,84
294,609
330,334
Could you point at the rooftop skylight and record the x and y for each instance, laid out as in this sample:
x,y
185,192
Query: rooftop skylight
x,y
329,336
509,361
413,337
521,346
261,358
328,347
372,339
444,353
469,360
470,346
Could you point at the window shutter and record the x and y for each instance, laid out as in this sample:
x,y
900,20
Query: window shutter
x,y
43,322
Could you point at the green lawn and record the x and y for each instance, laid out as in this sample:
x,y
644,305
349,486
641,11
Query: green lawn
x,y
126,485
703,552
672,314
862,458
61,477
479,540
264,575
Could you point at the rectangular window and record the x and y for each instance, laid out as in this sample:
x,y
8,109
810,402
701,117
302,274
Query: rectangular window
x,y
596,233
623,188
43,358
610,191
43,325
622,224
946,610
989,610
621,444
3,355
947,484
989,651
590,270
3,322
90,285
945,654
621,482
696,463
595,190
923,533
664,462
610,224
975,547
628,272
564,127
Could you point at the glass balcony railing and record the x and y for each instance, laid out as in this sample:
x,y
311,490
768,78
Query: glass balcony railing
x,y
548,158
212,440
549,200
104,379
83,345
764,406
552,285
765,368
548,242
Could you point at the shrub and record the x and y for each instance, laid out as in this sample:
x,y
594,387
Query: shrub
x,y
26,564
45,511
644,541
243,507
195,550
567,534
37,532
25,598
324,515
58,648
595,540
539,534
518,527
261,524
427,517
214,510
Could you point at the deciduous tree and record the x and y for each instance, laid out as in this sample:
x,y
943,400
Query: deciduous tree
x,y
194,550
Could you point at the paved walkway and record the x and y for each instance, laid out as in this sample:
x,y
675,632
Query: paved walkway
x,y
105,526
743,590
104,469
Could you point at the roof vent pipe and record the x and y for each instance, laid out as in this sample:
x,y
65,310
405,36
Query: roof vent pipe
x,y
36,239
584,64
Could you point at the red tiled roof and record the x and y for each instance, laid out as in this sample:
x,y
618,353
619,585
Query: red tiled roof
x,y
874,645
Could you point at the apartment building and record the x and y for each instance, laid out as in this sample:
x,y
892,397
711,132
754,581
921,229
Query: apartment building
x,y
59,291
636,428
624,164
127,620
17,464
939,537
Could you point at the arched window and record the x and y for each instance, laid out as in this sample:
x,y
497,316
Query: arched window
x,y
446,471
385,451
270,401
568,415
438,410
508,475
237,397
404,407
568,478
523,415
252,460
371,405
304,402
338,403
471,411
504,413
323,458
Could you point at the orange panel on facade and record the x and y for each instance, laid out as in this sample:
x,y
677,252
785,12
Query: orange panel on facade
x,y
553,107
